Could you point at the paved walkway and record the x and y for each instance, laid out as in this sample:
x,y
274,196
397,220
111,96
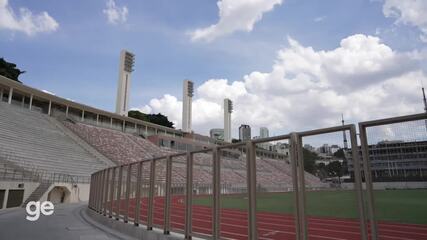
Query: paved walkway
x,y
69,222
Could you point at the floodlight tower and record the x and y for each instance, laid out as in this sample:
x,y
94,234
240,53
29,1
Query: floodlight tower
x,y
228,109
127,61
187,97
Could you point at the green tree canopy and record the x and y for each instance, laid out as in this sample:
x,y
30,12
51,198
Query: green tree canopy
x,y
9,70
309,161
158,119
340,154
335,169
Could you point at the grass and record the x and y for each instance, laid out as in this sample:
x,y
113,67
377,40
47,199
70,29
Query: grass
x,y
404,206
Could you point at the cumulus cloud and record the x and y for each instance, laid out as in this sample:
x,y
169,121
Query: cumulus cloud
x,y
235,15
25,21
115,14
307,88
409,12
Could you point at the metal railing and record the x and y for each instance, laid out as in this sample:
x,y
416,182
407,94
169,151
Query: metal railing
x,y
104,183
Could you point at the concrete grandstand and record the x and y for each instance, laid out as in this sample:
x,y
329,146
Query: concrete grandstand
x,y
60,142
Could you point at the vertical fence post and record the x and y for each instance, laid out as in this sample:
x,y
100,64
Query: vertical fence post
x,y
301,178
119,192
189,196
358,182
368,182
293,157
107,179
138,185
113,179
151,195
216,231
99,191
251,182
92,183
128,176
166,229
94,187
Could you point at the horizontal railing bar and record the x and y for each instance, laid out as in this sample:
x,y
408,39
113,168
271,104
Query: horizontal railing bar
x,y
270,139
385,121
325,130
231,145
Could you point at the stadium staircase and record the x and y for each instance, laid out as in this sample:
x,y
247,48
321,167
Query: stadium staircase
x,y
38,192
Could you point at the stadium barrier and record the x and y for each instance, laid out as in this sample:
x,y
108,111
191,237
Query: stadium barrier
x,y
364,127
104,183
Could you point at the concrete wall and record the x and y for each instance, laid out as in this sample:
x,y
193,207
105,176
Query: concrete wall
x,y
77,194
28,188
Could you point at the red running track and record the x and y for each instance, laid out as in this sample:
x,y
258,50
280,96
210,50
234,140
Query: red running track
x,y
270,225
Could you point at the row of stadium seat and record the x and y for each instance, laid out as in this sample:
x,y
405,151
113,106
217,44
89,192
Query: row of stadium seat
x,y
30,140
124,148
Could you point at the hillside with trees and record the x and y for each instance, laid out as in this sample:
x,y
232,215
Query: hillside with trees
x,y
158,119
9,70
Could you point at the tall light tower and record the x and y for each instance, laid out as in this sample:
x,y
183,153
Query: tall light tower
x,y
228,109
187,97
343,133
127,61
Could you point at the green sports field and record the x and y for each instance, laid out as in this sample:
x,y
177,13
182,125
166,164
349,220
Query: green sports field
x,y
404,206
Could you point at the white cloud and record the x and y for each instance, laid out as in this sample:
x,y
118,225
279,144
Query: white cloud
x,y
409,12
235,15
115,14
320,19
306,88
25,21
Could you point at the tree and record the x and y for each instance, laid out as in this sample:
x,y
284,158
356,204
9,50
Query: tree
x,y
309,161
340,154
9,70
158,119
322,173
335,169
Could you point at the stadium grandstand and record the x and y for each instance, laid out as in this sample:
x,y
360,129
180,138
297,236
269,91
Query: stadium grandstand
x,y
161,183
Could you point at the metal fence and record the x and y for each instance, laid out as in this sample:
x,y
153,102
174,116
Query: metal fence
x,y
137,190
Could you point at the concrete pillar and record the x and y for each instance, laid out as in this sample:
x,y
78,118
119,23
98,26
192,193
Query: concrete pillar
x,y
146,130
10,95
23,101
6,196
1,95
66,111
111,122
50,107
124,126
97,119
83,115
31,102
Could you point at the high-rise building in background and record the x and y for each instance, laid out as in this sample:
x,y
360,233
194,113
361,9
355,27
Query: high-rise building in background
x,y
228,109
217,133
263,132
244,132
187,97
127,61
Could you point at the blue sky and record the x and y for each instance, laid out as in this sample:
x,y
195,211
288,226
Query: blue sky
x,y
79,58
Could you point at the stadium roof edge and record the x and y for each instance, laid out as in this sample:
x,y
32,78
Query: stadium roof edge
x,y
41,94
